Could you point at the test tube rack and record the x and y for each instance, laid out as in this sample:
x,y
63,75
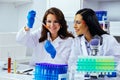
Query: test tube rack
x,y
102,65
47,71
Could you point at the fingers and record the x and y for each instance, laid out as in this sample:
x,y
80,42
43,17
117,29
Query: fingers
x,y
30,17
32,13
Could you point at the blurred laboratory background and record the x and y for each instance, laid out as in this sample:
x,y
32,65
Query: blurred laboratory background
x,y
13,17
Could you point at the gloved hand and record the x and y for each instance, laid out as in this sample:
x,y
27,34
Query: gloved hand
x,y
50,48
31,18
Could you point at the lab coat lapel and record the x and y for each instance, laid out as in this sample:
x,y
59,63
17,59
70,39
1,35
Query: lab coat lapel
x,y
56,42
84,50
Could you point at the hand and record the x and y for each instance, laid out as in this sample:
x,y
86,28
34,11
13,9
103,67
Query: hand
x,y
50,48
31,18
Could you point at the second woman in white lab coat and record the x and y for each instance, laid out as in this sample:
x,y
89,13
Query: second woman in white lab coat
x,y
54,23
86,27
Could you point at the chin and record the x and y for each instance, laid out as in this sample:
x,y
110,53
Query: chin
x,y
78,33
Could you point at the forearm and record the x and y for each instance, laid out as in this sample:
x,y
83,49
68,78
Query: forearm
x,y
23,36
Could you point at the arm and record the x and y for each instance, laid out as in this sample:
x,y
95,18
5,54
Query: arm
x,y
112,48
25,36
28,38
75,52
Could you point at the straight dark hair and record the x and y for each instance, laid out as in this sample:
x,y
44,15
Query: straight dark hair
x,y
90,18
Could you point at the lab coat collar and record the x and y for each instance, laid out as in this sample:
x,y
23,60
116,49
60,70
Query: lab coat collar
x,y
83,45
57,41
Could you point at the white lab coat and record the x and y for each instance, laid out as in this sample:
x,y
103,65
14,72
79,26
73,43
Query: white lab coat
x,y
109,47
31,39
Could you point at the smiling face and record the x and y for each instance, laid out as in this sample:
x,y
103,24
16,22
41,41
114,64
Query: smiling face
x,y
79,25
52,25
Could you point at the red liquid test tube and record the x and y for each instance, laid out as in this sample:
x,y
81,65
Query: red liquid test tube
x,y
9,65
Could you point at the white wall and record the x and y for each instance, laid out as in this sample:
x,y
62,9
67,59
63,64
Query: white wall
x,y
115,28
113,9
8,18
13,17
9,45
39,6
90,4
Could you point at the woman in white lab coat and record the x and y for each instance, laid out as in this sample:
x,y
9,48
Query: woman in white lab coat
x,y
86,27
54,23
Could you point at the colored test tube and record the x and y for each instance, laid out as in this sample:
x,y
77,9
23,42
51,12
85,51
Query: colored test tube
x,y
9,65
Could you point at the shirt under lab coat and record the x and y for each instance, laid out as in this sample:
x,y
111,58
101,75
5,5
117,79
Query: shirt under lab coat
x,y
40,55
109,47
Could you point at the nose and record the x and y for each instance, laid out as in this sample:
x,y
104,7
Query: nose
x,y
52,24
75,25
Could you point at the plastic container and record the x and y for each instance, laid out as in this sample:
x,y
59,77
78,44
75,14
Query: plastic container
x,y
47,71
101,15
103,20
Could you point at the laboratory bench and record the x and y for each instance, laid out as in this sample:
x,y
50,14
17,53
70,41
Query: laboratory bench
x,y
20,75
11,76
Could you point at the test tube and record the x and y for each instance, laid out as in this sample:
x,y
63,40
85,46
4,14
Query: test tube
x,y
14,64
9,64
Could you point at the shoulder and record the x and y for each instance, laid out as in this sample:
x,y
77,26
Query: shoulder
x,y
65,42
107,36
68,40
109,39
78,38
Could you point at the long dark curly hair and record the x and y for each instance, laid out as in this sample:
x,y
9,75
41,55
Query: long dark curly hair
x,y
63,32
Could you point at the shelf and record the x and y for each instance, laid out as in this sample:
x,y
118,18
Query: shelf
x,y
102,0
16,2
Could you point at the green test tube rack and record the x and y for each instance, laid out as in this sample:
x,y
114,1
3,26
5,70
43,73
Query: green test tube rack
x,y
95,64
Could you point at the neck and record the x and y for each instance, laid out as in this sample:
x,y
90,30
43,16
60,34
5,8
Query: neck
x,y
53,37
88,36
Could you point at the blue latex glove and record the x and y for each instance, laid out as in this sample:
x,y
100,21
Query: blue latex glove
x,y
50,48
31,18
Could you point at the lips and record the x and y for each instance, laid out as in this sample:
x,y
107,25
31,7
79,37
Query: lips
x,y
53,29
76,30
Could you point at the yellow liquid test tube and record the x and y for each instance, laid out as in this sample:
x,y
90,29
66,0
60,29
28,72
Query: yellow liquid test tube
x,y
14,66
